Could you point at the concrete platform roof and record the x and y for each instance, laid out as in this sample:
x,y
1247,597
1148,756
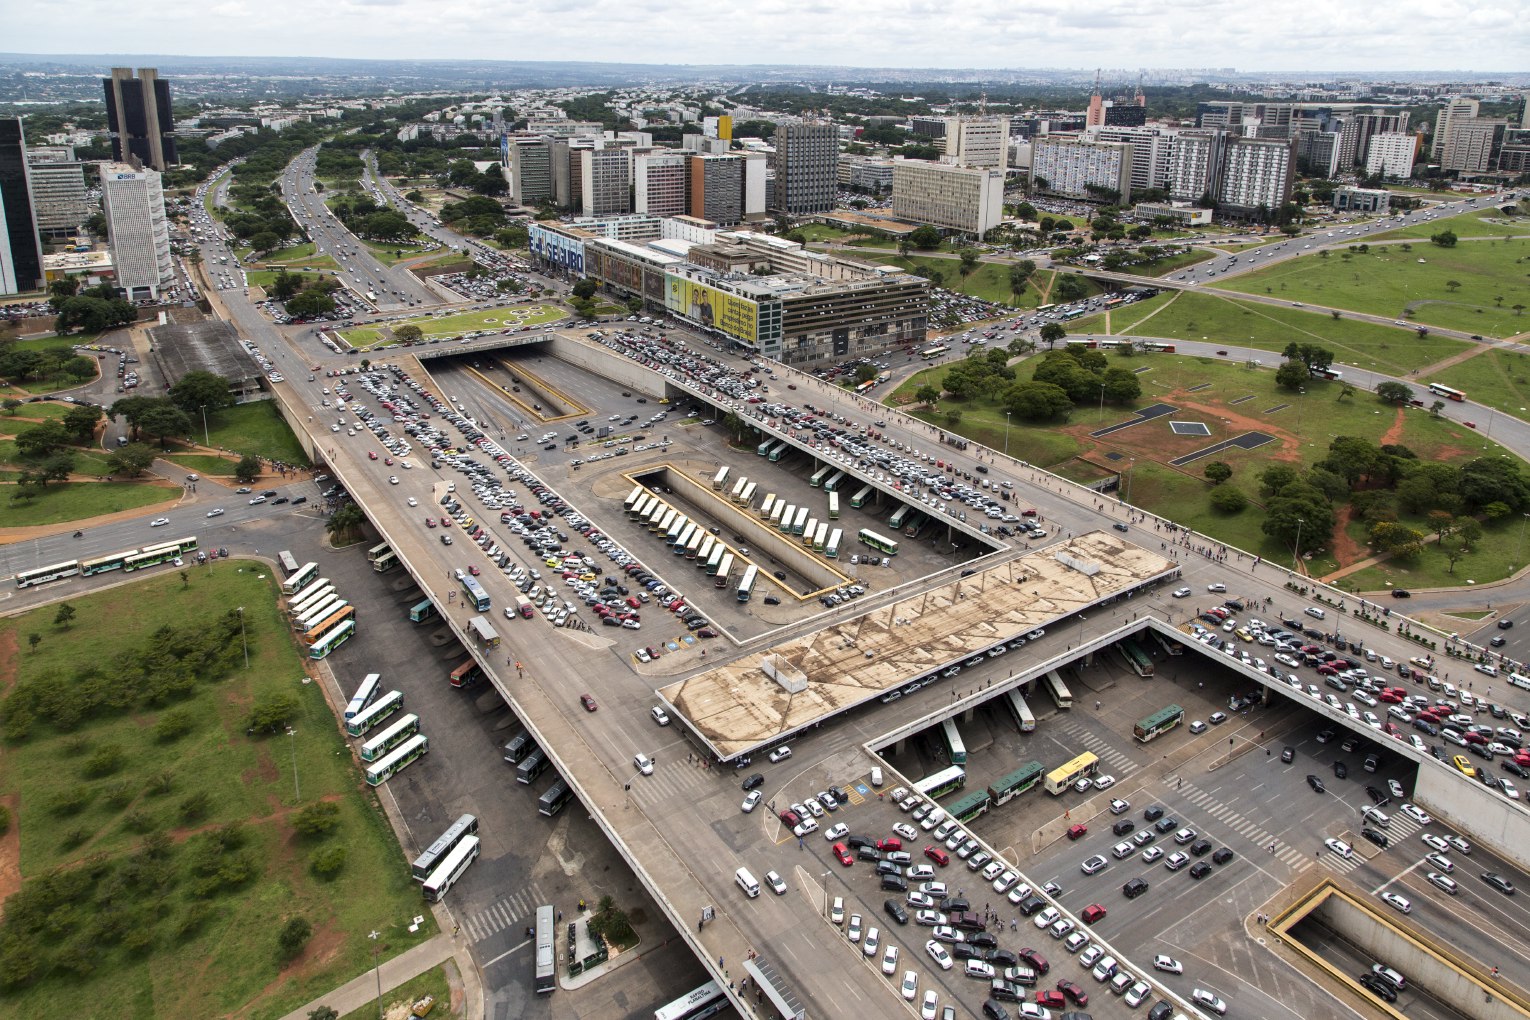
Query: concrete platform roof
x,y
739,706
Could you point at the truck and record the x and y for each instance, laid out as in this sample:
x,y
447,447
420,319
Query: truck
x,y
523,606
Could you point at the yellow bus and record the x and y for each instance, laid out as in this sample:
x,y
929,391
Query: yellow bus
x,y
1064,776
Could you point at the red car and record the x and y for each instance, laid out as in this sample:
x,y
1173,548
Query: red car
x,y
1037,962
1050,999
890,843
1074,992
843,854
937,855
1077,831
1092,913
371,455
588,702
446,522
430,522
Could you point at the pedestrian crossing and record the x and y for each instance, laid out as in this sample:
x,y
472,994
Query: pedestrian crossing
x,y
676,779
1291,856
1111,758
514,910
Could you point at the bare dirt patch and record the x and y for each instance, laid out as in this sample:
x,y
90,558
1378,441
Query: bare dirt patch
x,y
10,849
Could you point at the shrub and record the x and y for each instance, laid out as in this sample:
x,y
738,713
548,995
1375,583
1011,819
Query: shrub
x,y
317,819
5,819
75,837
174,725
138,820
327,861
119,795
294,936
71,801
191,922
195,806
161,783
108,758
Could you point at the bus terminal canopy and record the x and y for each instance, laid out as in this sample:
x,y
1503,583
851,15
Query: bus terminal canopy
x,y
484,631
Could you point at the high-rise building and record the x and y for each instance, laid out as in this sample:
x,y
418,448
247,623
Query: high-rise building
x,y
134,203
139,118
717,188
1151,148
1455,111
969,200
1256,173
806,165
21,266
977,141
1195,164
1319,150
605,182
1082,168
659,183
531,178
756,184
60,199
1465,142
1391,155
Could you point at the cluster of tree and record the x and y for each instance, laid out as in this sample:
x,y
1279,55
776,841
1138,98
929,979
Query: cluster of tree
x,y
158,417
925,238
259,217
611,923
304,294
1444,239
1302,362
1146,255
18,364
479,215
93,310
1105,227
462,173
1068,287
367,218
1086,376
337,163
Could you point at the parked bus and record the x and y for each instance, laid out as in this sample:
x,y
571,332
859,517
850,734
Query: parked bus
x,y
834,482
820,536
780,450
899,515
639,510
45,575
434,854
809,532
466,674
1064,776
816,481
1024,717
422,611
954,746
319,631
915,524
931,353
368,689
1061,696
782,508
833,506
969,807
531,766
358,724
704,553
1017,782
692,548
683,539
337,637
724,568
386,562
657,513
861,496
746,585
720,479
715,560
799,523
748,496
546,958
378,550
1446,392
288,563
667,521
871,538
390,738
320,610
632,497
474,592
102,564
697,1004
446,874
831,549
398,759
307,594
943,782
738,488
676,529
1160,722
763,449
767,506
555,798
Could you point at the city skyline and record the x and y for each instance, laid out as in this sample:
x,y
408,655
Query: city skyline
x,y
1341,35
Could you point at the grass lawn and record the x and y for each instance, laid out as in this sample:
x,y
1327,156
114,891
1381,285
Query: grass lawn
x,y
513,317
873,242
1496,378
255,428
54,343
64,502
228,963
1172,263
297,253
1477,223
1500,553
1204,316
392,254
30,413
202,463
823,232
432,982
1387,280
989,281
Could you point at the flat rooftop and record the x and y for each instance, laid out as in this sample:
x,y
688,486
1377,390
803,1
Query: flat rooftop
x,y
210,345
741,705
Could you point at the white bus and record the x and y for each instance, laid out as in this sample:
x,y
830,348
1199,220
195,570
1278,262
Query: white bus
x,y
424,864
632,498
301,578
321,610
376,552
306,594
391,737
831,549
1024,718
448,871
809,531
399,760
704,554
748,496
1059,690
697,1004
715,559
738,488
311,602
767,506
821,536
746,586
370,685
287,562
358,724
43,575
834,505
724,568
720,479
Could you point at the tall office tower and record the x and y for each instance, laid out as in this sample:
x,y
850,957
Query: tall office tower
x,y
134,202
60,200
756,189
1151,149
1465,142
21,266
139,118
1320,150
717,188
1096,114
1391,155
807,168
605,182
659,183
1361,128
978,141
965,199
531,174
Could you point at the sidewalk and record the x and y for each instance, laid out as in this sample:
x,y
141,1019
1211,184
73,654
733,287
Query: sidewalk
x,y
362,990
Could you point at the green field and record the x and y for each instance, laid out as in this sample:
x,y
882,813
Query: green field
x,y
511,317
1172,263
989,281
1499,554
395,1001
149,934
258,428
1194,315
392,254
1495,378
30,413
1468,224
67,502
1490,275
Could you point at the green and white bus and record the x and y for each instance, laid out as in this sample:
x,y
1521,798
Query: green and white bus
x,y
724,568
358,724
44,575
817,478
376,552
422,611
300,578
102,564
337,637
831,548
878,542
899,515
833,506
715,559
400,758
434,854
861,496
386,562
834,482
390,738
1159,723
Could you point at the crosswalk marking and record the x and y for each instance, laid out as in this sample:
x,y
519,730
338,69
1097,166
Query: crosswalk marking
x,y
503,913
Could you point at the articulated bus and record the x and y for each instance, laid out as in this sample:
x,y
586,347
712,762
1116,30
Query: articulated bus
x,y
467,673
697,1004
945,781
1061,696
746,586
434,854
632,497
364,695
546,958
44,575
358,724
1024,717
715,560
337,637
1017,782
321,630
399,759
301,578
1059,779
861,496
931,353
1160,722
834,482
390,738
831,548
386,562
748,495
720,479
555,798
287,562
899,515
871,538
724,568
377,551
474,592
422,611
446,874
965,809
954,745
816,481
769,505
833,506
102,564
1446,392
154,555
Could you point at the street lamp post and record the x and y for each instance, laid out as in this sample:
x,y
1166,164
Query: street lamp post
x,y
1130,467
1006,433
205,440
297,791
826,875
374,935
1297,553
1102,402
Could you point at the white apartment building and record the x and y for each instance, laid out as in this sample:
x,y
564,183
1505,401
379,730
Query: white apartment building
x,y
1391,155
1194,164
969,200
659,183
1151,151
134,203
1257,172
977,141
605,187
1081,168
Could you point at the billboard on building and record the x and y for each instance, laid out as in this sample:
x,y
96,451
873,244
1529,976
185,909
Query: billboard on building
x,y
699,302
608,267
556,248
725,127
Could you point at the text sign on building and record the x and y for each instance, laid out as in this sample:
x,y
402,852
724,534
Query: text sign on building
x,y
558,249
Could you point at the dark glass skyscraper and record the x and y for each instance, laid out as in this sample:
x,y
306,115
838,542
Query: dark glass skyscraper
x,y
139,118
20,251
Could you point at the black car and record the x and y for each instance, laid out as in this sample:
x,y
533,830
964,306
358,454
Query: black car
x,y
1505,624
983,939
1152,814
1514,767
1136,887
1378,796
1376,836
756,780
1124,826
1168,824
895,911
1161,1011
857,842
966,951
1222,856
1200,848
1199,870
1401,593
1498,882
1340,770
952,904
1379,987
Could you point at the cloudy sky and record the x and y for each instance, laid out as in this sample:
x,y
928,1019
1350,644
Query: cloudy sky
x,y
1342,35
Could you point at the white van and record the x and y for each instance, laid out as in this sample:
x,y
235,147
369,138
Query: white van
x,y
747,882
876,775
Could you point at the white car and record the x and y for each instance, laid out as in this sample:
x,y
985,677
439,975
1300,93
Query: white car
x,y
215,512
1216,588
644,764
159,522
837,912
1138,993
1076,941
1209,1000
853,932
835,832
393,479
413,502
1397,901
751,801
1340,847
1045,919
872,943
775,882
910,986
1087,958
1443,882
1182,593
1416,813
1104,782
929,1007
808,825
938,954
1435,841
780,754
1168,964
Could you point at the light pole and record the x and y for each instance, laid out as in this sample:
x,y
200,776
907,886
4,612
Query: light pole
x,y
1301,392
242,640
1297,553
1102,402
374,935
1006,433
205,440
297,792
826,875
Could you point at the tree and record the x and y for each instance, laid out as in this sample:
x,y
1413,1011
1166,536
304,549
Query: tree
x,y
969,257
285,285
1121,385
274,710
197,390
61,290
1218,472
163,421
80,421
41,440
924,238
323,1013
33,640
1228,499
408,333
1037,401
1053,333
65,616
309,303
56,468
1345,390
1444,239
248,469
317,819
585,288
865,372
1292,375
1452,285
927,394
1397,539
10,405
131,460
1394,393
92,314
1020,275
294,936
265,241
345,520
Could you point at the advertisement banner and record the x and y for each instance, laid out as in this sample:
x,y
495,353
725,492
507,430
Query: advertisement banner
x,y
558,249
736,316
